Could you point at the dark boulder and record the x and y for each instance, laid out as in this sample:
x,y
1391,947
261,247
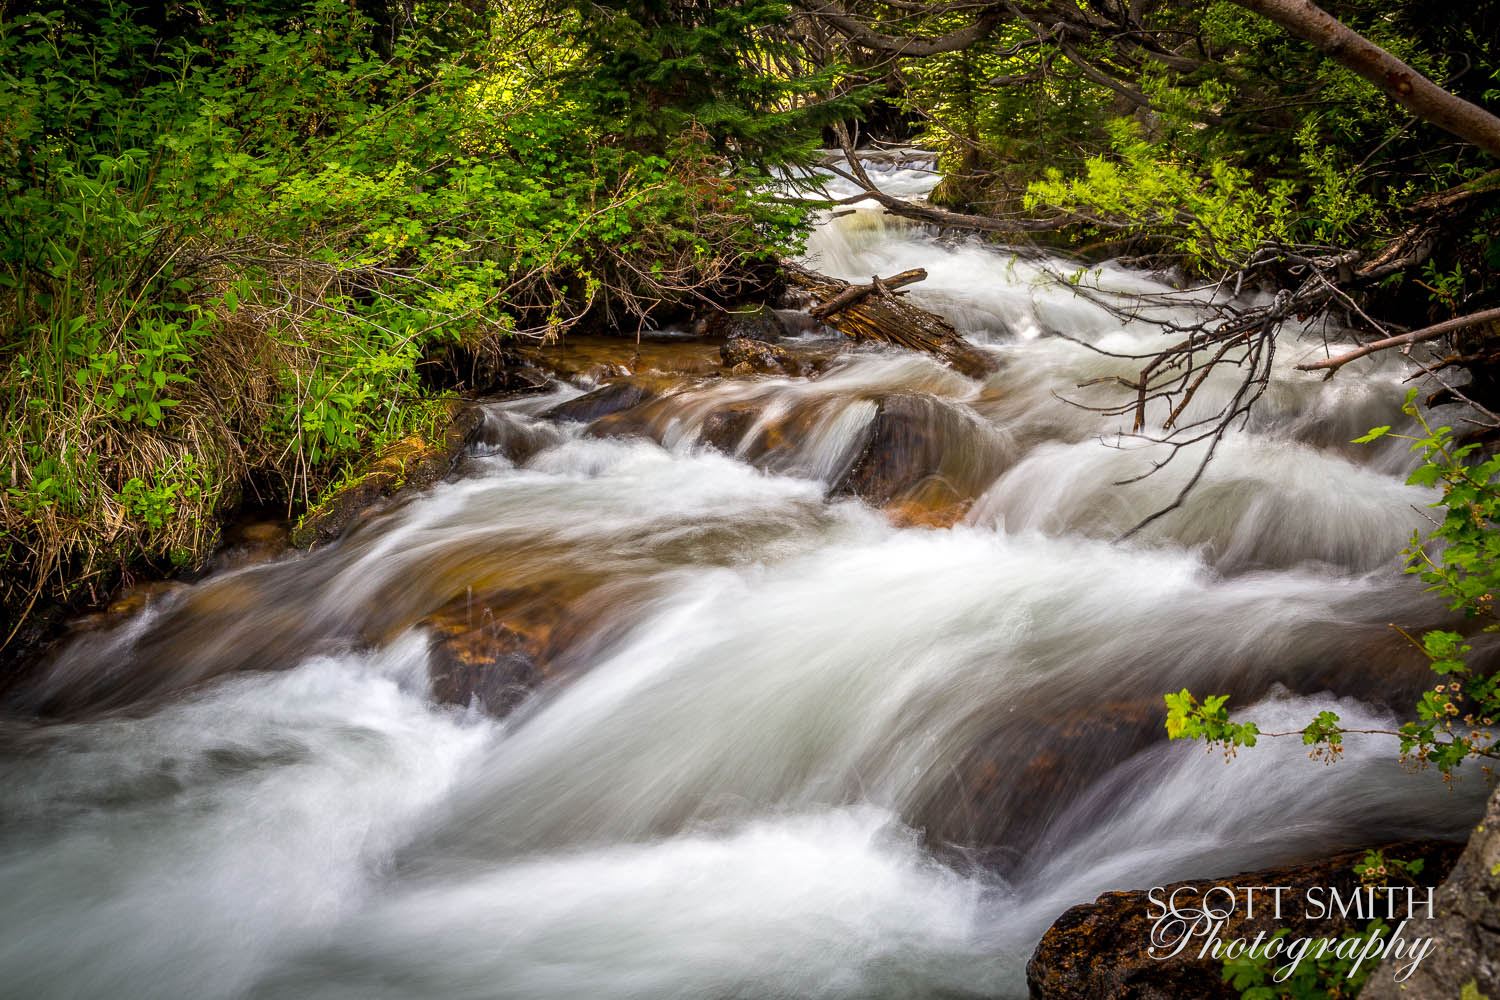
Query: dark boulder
x,y
999,797
725,429
916,438
603,401
516,437
753,323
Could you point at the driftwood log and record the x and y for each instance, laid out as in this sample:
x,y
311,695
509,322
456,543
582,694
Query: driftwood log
x,y
875,312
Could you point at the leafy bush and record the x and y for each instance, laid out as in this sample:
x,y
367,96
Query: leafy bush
x,y
233,233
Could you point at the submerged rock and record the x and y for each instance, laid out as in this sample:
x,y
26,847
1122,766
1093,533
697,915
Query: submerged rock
x,y
495,664
932,503
1098,950
998,800
914,440
592,358
494,650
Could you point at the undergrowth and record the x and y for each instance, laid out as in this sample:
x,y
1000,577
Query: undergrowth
x,y
231,234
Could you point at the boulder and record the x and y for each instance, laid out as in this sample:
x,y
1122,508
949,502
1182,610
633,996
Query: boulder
x,y
603,401
725,429
743,356
517,438
758,322
1465,959
915,438
1024,771
1098,950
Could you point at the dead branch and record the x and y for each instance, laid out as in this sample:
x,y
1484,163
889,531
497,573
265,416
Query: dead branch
x,y
1433,332
855,293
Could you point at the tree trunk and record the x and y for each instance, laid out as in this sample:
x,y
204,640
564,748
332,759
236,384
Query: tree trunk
x,y
1390,75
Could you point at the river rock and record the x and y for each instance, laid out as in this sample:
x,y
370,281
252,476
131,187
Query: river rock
x,y
996,799
516,437
605,400
760,323
743,356
491,651
915,438
932,503
725,429
1098,950
250,543
1465,959
494,665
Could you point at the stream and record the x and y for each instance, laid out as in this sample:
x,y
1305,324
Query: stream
x,y
789,743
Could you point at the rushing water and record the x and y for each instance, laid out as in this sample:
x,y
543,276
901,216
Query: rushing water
x,y
794,749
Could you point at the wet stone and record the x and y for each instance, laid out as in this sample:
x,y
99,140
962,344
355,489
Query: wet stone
x,y
760,323
602,402
932,503
494,651
1098,950
743,356
914,439
725,429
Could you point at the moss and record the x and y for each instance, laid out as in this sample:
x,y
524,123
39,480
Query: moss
x,y
414,462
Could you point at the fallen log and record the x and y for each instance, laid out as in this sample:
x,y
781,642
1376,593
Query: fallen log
x,y
854,293
875,312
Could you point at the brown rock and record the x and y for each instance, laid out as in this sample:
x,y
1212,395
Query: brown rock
x,y
138,597
725,429
932,503
1010,786
598,358
495,649
252,543
495,665
1098,950
915,438
759,357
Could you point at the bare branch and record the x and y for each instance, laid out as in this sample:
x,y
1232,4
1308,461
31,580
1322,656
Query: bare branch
x,y
1416,336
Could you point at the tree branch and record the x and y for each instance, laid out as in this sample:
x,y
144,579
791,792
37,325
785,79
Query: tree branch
x,y
856,30
1416,336
1394,78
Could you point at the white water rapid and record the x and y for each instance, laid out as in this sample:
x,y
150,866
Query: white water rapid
x,y
799,748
